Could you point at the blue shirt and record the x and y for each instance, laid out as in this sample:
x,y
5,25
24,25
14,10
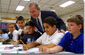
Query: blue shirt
x,y
4,36
30,37
72,45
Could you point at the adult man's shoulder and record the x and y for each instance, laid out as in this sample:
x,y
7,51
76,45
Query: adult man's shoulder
x,y
48,12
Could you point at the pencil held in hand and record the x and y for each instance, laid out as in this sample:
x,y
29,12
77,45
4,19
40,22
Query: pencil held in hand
x,y
22,42
25,47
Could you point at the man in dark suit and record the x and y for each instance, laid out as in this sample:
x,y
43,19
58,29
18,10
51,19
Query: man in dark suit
x,y
38,17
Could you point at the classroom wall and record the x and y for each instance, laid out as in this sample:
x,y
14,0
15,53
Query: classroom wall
x,y
65,17
12,15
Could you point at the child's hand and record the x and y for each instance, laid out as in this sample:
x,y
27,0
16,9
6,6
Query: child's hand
x,y
44,50
14,43
25,31
25,47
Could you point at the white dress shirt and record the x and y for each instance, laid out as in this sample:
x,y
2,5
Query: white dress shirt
x,y
15,35
40,20
46,39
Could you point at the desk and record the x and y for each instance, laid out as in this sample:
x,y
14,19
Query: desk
x,y
14,50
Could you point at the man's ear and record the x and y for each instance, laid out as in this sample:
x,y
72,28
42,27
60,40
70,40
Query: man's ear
x,y
39,9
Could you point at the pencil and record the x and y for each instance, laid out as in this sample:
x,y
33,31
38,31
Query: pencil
x,y
22,42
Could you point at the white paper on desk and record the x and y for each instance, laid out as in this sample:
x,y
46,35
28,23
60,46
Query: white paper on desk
x,y
33,50
6,51
64,52
2,48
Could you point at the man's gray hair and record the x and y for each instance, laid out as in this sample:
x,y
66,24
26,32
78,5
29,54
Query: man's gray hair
x,y
35,4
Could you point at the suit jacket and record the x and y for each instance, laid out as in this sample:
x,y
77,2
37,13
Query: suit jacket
x,y
60,24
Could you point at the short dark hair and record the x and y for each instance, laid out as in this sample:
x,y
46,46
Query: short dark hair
x,y
50,20
20,18
30,23
35,4
4,30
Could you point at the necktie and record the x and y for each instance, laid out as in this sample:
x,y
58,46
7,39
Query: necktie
x,y
39,25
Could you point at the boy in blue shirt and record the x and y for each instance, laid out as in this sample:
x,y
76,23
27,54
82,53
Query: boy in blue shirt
x,y
3,34
72,40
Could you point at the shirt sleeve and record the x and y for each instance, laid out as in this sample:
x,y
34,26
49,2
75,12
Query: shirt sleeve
x,y
15,36
57,38
39,40
5,36
63,41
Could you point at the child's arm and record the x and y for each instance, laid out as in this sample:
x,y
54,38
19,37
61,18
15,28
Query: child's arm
x,y
30,45
48,45
51,50
16,43
7,38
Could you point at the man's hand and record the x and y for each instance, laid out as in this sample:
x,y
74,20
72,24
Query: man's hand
x,y
61,31
25,47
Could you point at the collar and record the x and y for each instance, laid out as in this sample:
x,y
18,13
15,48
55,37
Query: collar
x,y
18,26
78,37
39,16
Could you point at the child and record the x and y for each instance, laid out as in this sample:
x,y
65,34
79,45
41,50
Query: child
x,y
31,35
72,40
19,23
3,34
50,38
20,26
13,34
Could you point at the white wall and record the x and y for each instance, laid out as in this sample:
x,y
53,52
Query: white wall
x,y
66,16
